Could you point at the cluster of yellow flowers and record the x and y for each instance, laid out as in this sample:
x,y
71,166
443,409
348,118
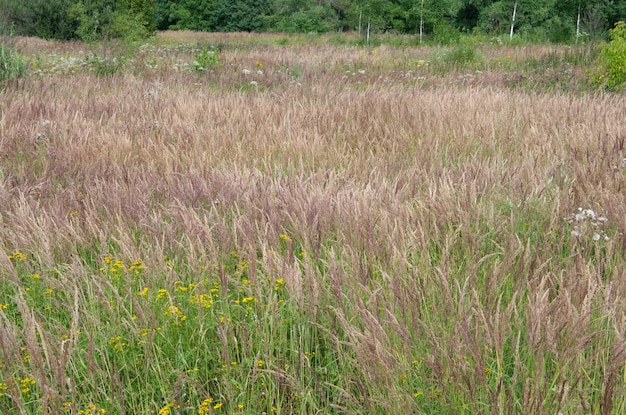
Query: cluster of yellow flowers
x,y
116,267
92,409
26,384
137,267
176,313
181,287
18,256
117,343
207,404
278,284
167,409
203,300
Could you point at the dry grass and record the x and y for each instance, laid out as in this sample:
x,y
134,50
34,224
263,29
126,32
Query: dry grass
x,y
420,228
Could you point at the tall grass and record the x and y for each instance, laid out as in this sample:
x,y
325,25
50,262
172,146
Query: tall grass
x,y
320,242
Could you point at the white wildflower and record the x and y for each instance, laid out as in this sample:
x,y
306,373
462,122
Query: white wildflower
x,y
590,214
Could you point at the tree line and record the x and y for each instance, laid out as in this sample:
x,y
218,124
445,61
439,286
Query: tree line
x,y
440,20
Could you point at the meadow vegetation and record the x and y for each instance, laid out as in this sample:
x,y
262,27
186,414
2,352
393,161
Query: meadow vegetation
x,y
271,224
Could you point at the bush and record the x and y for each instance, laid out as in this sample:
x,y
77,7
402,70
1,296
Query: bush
x,y
11,64
445,33
462,54
611,71
318,19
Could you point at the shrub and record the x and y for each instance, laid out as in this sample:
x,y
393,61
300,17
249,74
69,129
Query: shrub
x,y
11,64
611,71
445,33
462,54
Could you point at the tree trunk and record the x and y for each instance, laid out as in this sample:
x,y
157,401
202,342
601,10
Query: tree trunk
x,y
578,24
513,20
422,22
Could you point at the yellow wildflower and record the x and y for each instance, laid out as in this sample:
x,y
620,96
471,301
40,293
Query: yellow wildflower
x,y
167,409
26,384
18,256
117,343
137,267
92,409
205,407
176,313
203,300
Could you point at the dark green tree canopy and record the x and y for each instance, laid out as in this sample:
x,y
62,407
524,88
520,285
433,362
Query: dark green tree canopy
x,y
553,20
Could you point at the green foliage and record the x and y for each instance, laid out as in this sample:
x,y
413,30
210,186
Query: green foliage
x,y
103,65
611,72
143,11
441,20
11,64
207,58
462,54
318,19
445,33
239,16
42,18
127,27
111,20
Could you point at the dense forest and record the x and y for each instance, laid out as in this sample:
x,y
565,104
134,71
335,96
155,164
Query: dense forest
x,y
439,20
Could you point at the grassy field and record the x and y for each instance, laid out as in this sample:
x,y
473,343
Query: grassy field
x,y
244,224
